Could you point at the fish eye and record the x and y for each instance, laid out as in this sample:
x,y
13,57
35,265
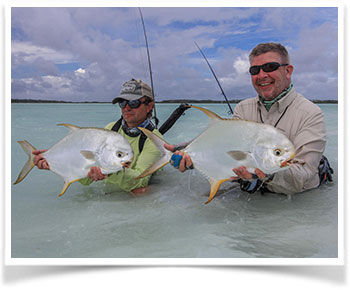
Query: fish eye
x,y
120,154
277,152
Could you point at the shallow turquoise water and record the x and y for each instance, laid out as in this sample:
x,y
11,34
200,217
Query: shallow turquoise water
x,y
172,221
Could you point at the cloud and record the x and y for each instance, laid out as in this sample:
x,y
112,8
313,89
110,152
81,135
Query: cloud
x,y
82,54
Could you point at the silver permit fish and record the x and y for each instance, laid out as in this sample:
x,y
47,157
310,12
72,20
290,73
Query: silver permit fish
x,y
228,144
83,147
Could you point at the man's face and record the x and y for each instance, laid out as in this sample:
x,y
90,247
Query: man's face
x,y
269,85
134,117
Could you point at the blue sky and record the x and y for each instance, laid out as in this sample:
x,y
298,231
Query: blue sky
x,y
85,54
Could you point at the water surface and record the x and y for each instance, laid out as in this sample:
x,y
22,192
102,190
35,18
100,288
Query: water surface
x,y
171,221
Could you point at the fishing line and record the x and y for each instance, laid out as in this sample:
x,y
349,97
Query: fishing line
x,y
212,71
150,68
139,45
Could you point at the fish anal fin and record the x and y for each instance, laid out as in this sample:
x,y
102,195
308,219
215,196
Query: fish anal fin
x,y
215,185
238,155
66,185
211,115
69,126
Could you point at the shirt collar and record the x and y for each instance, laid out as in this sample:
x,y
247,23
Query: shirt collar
x,y
283,102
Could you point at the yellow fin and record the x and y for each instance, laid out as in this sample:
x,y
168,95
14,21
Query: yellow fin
x,y
66,185
28,166
211,115
154,167
69,126
215,184
164,154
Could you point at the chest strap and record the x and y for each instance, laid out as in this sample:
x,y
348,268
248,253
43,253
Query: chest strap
x,y
143,137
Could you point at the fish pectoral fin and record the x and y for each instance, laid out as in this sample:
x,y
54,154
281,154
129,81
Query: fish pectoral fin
x,y
66,185
89,155
215,184
239,155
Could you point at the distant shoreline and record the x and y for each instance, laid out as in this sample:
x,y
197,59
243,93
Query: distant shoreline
x,y
158,102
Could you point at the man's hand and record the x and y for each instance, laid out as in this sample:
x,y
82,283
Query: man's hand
x,y
39,160
95,174
243,173
182,161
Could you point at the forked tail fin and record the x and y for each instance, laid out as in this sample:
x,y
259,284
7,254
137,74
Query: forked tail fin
x,y
28,149
164,154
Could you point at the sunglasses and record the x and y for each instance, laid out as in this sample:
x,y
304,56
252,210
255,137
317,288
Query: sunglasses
x,y
134,104
266,67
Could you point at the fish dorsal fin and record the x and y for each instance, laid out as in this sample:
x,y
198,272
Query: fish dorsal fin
x,y
69,126
239,155
211,115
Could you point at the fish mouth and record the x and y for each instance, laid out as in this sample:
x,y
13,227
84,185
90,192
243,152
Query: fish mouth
x,y
286,162
126,164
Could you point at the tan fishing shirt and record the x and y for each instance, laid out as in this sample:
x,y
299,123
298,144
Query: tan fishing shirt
x,y
303,123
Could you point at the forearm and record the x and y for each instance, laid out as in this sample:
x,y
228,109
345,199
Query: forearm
x,y
298,178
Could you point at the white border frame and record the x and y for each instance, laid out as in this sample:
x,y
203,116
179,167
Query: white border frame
x,y
175,261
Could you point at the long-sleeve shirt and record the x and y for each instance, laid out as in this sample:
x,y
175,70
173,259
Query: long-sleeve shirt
x,y
303,123
125,180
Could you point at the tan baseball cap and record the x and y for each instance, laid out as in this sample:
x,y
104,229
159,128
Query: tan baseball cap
x,y
133,90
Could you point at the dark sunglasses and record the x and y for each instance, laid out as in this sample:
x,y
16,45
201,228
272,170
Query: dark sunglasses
x,y
266,67
134,104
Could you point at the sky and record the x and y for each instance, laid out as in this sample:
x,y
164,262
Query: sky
x,y
87,53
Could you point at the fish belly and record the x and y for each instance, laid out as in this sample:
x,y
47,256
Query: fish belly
x,y
209,151
65,159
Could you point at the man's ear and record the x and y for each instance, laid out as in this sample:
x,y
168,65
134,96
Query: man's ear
x,y
150,107
289,70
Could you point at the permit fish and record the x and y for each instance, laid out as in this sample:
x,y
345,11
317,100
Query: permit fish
x,y
83,147
230,143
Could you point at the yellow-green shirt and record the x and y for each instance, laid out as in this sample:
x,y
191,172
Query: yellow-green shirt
x,y
125,179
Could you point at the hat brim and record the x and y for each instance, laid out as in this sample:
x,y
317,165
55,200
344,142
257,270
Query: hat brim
x,y
129,97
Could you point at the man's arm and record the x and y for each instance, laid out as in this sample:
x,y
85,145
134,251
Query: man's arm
x,y
309,146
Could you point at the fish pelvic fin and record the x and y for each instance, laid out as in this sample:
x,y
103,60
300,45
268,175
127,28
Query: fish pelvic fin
x,y
164,154
66,185
28,166
211,115
215,185
69,126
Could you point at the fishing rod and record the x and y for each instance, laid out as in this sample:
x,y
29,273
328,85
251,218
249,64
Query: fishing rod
x,y
150,68
222,91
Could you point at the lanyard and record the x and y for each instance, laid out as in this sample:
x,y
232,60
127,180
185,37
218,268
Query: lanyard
x,y
279,119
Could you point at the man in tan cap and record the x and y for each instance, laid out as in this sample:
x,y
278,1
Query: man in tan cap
x,y
136,102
